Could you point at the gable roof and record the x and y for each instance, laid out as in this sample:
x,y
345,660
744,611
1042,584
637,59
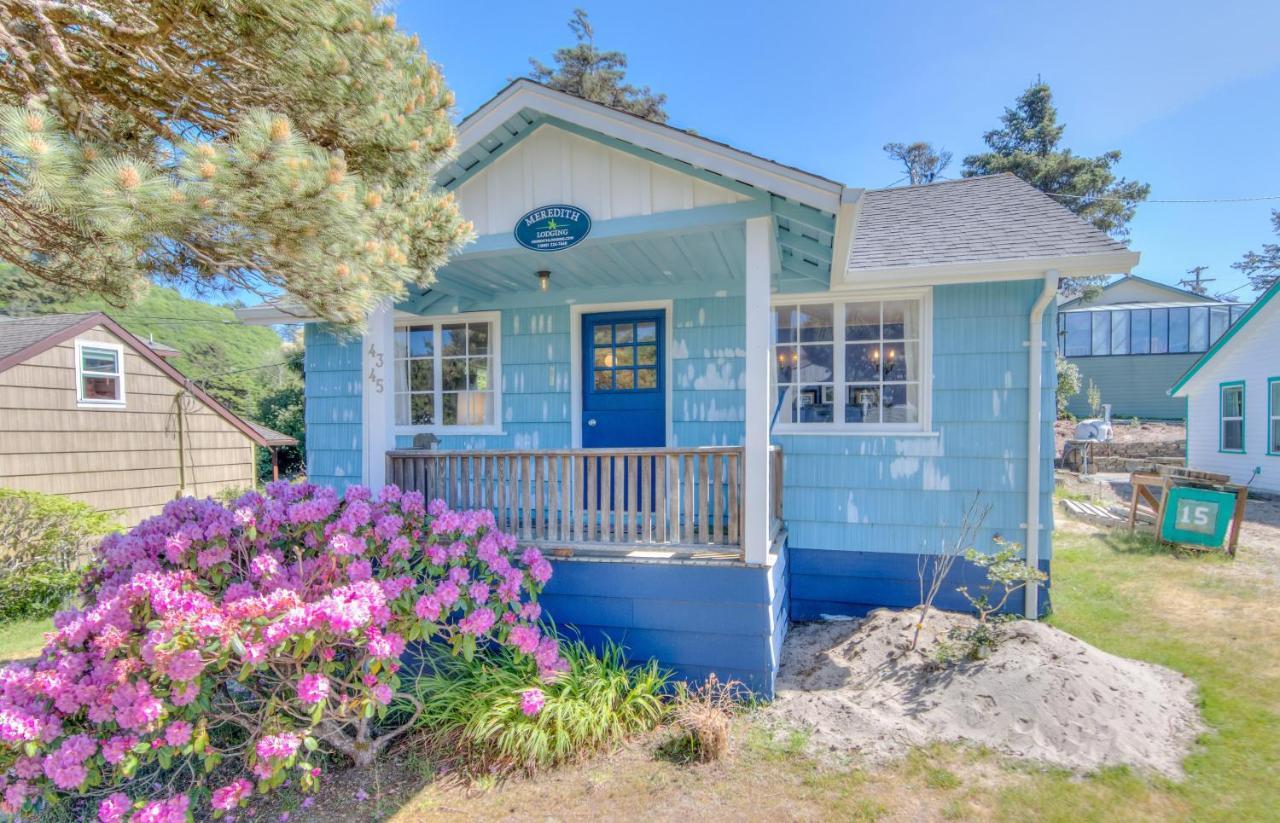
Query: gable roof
x,y
1175,293
1225,339
22,338
508,115
976,220
19,333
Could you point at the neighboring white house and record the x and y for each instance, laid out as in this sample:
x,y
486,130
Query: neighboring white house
x,y
1233,400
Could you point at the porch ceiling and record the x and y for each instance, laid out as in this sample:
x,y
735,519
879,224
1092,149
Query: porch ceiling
x,y
714,255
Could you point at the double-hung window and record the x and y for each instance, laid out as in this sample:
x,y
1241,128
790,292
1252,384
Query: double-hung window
x,y
1231,417
1273,416
851,365
99,374
446,374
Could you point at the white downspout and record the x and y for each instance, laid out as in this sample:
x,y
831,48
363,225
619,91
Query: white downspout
x,y
1035,386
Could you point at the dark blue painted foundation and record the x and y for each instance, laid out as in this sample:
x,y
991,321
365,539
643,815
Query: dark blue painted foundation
x,y
728,619
695,619
854,583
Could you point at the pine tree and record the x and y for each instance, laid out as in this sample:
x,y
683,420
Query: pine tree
x,y
1028,143
1263,267
262,145
595,75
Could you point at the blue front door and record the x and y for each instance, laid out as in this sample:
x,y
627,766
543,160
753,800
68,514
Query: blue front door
x,y
624,384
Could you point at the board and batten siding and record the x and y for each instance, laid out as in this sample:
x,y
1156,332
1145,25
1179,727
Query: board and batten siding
x,y
1136,385
125,460
1250,356
859,509
552,165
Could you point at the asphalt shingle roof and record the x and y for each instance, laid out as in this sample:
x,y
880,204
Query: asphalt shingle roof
x,y
17,333
997,217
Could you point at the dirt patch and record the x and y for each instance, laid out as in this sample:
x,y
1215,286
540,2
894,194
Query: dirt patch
x,y
1123,431
1042,695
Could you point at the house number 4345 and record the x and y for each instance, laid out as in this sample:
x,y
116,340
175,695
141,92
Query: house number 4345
x,y
375,360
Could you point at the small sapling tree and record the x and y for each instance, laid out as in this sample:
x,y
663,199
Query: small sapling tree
x,y
932,570
1007,574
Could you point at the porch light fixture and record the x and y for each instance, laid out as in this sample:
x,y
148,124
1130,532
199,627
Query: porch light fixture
x,y
544,280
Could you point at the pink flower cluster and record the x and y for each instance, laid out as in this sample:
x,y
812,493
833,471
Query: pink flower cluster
x,y
304,588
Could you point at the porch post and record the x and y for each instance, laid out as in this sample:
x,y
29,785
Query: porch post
x,y
755,527
377,358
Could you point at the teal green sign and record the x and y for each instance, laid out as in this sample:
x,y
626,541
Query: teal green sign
x,y
553,228
1198,517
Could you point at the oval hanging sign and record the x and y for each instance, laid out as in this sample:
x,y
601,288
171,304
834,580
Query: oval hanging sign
x,y
553,228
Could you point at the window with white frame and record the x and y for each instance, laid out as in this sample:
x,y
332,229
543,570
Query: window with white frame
x,y
853,365
1231,432
99,374
446,372
1273,415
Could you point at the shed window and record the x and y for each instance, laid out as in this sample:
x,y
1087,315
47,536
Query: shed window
x,y
1178,331
446,374
851,365
1231,438
1140,331
1079,335
1199,328
99,374
1119,332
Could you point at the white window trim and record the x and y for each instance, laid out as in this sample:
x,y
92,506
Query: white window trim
x,y
89,402
838,298
1224,419
494,318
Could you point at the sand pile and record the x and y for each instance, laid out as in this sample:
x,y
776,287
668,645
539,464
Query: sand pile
x,y
1042,694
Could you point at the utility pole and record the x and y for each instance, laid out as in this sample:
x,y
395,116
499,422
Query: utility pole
x,y
1197,284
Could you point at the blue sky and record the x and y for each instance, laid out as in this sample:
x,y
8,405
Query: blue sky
x,y
1189,92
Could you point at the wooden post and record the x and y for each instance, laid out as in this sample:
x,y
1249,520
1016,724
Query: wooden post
x,y
755,492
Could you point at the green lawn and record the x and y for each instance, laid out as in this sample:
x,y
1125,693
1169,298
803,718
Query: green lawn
x,y
23,638
1200,615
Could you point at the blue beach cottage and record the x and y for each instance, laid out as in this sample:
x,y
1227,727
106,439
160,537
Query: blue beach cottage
x,y
721,392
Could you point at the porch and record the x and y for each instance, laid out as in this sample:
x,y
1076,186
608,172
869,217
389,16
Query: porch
x,y
636,503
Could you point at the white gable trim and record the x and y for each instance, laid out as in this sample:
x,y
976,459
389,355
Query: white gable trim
x,y
977,271
698,151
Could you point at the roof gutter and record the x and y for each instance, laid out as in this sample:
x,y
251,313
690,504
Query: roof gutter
x,y
1035,386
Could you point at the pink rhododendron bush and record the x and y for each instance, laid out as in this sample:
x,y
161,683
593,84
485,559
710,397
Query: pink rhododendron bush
x,y
220,646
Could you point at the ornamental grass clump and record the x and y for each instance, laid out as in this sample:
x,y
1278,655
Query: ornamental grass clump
x,y
221,646
495,713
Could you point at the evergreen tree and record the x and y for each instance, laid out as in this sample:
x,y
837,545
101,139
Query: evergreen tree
x,y
596,75
1263,267
1028,143
246,144
921,161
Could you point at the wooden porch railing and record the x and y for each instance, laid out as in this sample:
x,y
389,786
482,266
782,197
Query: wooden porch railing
x,y
687,501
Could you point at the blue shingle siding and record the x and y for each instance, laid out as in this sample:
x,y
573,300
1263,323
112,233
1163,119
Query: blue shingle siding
x,y
883,500
333,406
707,398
